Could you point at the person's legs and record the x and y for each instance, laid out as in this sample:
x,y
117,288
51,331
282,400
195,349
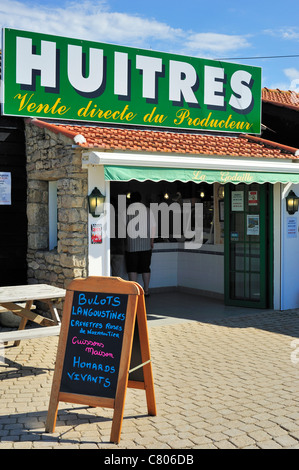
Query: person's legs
x,y
144,266
139,262
146,280
133,276
132,265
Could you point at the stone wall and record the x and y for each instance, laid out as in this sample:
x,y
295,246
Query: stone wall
x,y
52,157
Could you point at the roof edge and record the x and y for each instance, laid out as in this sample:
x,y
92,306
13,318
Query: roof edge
x,y
81,141
260,140
281,105
77,138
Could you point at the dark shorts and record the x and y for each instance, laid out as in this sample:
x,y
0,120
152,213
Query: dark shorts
x,y
138,261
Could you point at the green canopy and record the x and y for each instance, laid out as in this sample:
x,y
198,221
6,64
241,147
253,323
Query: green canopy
x,y
127,173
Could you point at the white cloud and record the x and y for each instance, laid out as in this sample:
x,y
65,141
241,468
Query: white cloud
x,y
290,83
216,43
93,20
290,33
293,76
292,73
86,20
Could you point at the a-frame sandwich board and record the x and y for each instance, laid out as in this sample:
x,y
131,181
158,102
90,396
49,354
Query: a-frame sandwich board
x,y
95,364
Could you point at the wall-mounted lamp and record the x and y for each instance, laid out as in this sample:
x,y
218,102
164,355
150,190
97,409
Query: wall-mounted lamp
x,y
96,202
292,202
166,196
221,192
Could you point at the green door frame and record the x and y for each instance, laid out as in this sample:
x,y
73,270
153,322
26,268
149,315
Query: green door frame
x,y
266,249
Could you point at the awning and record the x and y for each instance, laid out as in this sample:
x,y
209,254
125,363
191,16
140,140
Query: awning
x,y
128,166
127,173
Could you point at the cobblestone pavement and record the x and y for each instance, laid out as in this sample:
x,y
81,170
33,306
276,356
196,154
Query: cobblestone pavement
x,y
227,384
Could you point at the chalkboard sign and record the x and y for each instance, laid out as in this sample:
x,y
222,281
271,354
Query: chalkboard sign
x,y
94,344
103,348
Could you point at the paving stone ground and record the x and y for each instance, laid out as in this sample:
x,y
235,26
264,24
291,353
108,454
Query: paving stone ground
x,y
230,384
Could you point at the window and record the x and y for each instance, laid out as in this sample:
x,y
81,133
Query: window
x,y
52,215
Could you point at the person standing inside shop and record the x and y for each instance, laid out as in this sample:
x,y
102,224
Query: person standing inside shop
x,y
141,228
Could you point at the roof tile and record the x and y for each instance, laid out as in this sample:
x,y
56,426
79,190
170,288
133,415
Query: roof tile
x,y
288,99
98,137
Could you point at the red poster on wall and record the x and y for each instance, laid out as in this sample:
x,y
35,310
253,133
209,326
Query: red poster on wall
x,y
252,198
96,233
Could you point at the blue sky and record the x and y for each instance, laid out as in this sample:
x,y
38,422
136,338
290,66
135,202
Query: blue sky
x,y
214,29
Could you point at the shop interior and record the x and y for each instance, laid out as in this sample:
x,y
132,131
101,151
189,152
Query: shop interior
x,y
184,283
176,192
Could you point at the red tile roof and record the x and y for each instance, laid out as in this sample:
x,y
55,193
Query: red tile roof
x,y
106,138
288,99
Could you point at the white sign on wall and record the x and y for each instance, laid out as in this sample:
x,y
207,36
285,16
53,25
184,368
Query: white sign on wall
x,y
237,200
292,227
5,188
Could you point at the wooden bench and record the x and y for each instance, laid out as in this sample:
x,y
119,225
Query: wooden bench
x,y
12,298
29,333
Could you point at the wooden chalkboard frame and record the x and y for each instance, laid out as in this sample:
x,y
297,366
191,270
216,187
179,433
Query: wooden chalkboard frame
x,y
135,314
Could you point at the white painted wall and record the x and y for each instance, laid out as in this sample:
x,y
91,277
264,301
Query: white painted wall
x,y
204,270
99,254
164,266
289,255
196,270
172,267
276,246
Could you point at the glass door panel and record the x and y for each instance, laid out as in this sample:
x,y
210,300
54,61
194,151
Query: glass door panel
x,y
245,245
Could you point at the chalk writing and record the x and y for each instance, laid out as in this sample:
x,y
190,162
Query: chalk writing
x,y
77,362
75,340
90,312
96,300
85,355
89,378
96,352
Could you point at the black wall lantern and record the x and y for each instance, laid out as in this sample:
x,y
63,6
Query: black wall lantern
x,y
292,202
96,202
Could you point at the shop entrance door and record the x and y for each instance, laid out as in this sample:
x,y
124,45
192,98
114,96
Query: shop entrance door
x,y
248,245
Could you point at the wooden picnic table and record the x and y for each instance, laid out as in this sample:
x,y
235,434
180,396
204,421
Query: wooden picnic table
x,y
12,296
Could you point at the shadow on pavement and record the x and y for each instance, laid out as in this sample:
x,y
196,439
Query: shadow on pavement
x,y
176,307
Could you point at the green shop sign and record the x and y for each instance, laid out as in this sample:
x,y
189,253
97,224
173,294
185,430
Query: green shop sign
x,y
60,78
